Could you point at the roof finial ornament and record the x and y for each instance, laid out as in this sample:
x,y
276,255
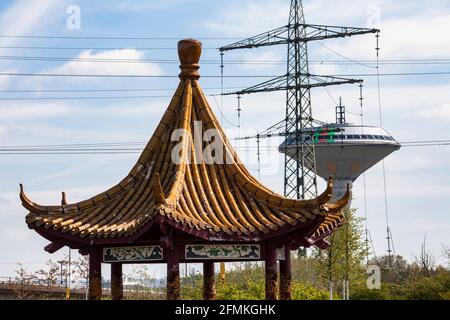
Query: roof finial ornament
x,y
189,52
63,199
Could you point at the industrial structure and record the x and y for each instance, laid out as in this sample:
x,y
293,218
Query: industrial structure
x,y
344,150
300,167
189,210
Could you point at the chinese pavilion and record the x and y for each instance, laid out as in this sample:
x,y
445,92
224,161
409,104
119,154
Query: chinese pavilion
x,y
192,210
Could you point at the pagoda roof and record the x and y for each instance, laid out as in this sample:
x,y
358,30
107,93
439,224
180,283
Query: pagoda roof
x,y
208,199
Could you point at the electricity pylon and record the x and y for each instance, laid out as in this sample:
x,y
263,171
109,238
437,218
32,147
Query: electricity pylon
x,y
300,170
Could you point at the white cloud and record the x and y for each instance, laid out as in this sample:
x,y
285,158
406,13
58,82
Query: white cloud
x,y
3,131
48,110
126,5
420,36
24,17
417,161
439,112
33,111
79,67
66,134
255,17
262,61
250,17
5,81
405,30
154,108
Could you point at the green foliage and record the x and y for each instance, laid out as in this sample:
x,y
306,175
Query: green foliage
x,y
396,270
436,287
246,282
344,258
305,291
362,293
191,288
248,290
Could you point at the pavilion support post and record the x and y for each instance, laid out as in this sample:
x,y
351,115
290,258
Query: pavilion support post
x,y
116,281
95,274
271,272
286,275
209,290
173,275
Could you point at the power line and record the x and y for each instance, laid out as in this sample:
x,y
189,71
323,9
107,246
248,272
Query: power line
x,y
127,143
83,98
14,74
108,37
347,61
342,56
89,98
96,149
101,90
390,241
392,74
93,48
125,60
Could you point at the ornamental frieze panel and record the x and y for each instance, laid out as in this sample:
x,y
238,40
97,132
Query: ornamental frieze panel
x,y
223,252
133,254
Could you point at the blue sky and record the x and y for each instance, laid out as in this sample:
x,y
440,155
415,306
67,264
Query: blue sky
x,y
414,108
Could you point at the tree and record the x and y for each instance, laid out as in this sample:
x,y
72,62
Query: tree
x,y
395,269
81,268
344,258
25,283
446,253
53,275
436,287
426,260
141,287
306,291
246,282
304,269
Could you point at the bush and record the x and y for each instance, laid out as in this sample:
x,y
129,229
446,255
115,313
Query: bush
x,y
249,290
361,292
433,288
304,291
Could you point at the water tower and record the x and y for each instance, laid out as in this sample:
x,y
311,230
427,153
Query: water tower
x,y
344,150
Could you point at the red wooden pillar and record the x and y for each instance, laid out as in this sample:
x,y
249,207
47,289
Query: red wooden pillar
x,y
271,272
173,275
95,274
286,275
116,281
209,290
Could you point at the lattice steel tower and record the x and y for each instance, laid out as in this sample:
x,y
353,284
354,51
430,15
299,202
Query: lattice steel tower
x,y
300,171
299,176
